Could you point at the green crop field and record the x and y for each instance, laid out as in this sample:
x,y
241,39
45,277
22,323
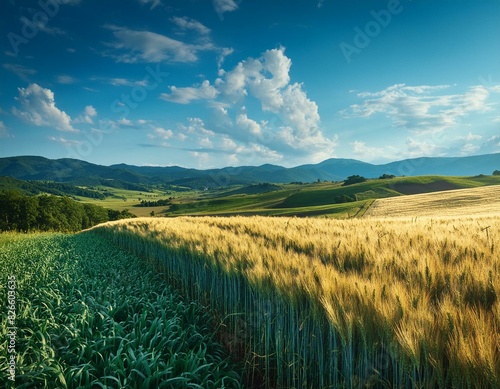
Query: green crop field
x,y
78,312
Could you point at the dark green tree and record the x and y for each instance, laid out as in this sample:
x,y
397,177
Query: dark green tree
x,y
29,213
353,180
10,210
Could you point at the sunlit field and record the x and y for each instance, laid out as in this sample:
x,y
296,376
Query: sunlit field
x,y
482,201
327,303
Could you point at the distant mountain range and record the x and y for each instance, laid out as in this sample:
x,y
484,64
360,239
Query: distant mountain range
x,y
79,172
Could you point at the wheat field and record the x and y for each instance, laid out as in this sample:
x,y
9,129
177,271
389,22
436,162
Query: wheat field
x,y
326,303
482,201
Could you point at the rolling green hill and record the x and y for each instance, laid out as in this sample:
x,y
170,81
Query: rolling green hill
x,y
246,190
330,199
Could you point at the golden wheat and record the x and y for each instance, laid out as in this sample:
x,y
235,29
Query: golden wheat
x,y
328,303
482,201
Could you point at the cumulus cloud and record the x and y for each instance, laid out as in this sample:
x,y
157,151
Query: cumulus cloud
x,y
296,121
189,94
268,80
421,109
163,134
205,143
196,126
132,46
38,107
247,124
87,115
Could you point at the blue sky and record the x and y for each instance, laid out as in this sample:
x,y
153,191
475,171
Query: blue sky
x,y
202,84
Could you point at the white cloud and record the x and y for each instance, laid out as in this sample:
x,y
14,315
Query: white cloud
x,y
154,3
65,142
186,23
163,134
4,131
22,72
222,6
87,115
470,136
90,111
248,125
226,51
202,158
366,153
423,149
492,145
469,149
421,109
412,148
65,79
134,46
119,81
196,126
302,117
38,107
41,25
267,80
186,95
205,143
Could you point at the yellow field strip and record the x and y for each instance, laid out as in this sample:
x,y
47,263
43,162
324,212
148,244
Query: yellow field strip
x,y
473,202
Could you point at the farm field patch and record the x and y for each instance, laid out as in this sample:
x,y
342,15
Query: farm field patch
x,y
482,201
88,314
401,303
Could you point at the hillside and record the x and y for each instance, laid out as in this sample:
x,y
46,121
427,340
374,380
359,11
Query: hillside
x,y
483,201
316,199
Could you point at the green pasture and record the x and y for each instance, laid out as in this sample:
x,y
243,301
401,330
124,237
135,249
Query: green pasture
x,y
313,199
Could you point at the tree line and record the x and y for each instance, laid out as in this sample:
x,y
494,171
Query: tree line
x,y
157,203
22,213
